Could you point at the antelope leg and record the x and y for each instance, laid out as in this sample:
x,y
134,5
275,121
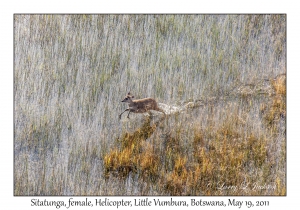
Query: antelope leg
x,y
123,112
128,113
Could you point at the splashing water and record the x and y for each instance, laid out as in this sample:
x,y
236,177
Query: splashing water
x,y
171,109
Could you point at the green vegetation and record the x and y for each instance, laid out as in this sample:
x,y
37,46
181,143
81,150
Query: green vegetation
x,y
226,73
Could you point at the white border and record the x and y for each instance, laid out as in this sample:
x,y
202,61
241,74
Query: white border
x,y
8,201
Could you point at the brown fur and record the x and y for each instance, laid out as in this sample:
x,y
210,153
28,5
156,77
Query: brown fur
x,y
140,105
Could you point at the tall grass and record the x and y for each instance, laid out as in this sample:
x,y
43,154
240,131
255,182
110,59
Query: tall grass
x,y
71,72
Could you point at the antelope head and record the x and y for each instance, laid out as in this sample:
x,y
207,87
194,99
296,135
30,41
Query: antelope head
x,y
128,98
